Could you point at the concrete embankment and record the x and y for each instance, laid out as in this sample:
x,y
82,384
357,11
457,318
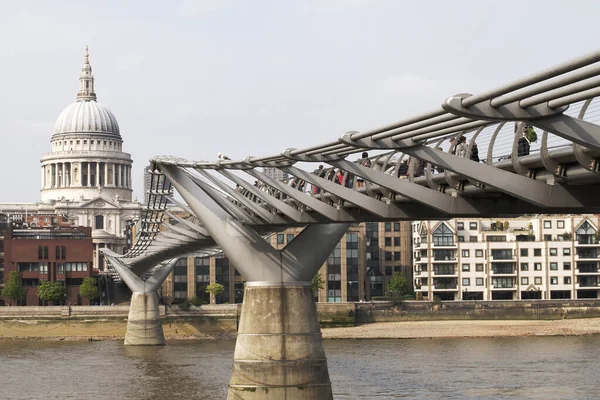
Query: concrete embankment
x,y
409,319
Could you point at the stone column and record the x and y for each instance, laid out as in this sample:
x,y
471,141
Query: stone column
x,y
279,350
114,173
54,175
97,174
62,175
43,176
105,183
144,326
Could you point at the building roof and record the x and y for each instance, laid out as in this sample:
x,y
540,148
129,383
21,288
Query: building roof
x,y
86,115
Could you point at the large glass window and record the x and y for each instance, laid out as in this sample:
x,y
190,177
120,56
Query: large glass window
x,y
443,236
586,234
99,222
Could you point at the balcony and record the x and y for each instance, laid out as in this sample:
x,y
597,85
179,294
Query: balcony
x,y
588,269
444,245
504,287
588,284
586,255
504,272
445,272
445,287
587,241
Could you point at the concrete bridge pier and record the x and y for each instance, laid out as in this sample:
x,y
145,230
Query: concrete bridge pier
x,y
144,326
279,352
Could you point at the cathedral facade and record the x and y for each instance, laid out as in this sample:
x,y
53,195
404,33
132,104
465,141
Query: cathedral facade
x,y
86,176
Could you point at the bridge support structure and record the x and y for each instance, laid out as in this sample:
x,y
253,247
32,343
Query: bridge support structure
x,y
279,351
144,326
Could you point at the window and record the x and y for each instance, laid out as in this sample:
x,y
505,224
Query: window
x,y
479,267
524,281
547,224
388,241
289,237
479,281
443,236
473,225
547,238
538,280
553,251
460,226
566,251
524,267
524,252
388,270
537,252
466,267
586,234
465,253
554,280
396,241
473,239
537,266
567,280
478,253
388,256
396,256
461,239
280,238
40,252
388,226
560,224
45,252
74,267
58,252
567,266
553,266
495,238
396,226
99,219
466,282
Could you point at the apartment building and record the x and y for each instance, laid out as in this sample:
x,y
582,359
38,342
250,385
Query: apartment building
x,y
532,257
359,268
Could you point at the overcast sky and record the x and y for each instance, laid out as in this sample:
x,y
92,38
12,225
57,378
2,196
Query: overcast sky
x,y
192,78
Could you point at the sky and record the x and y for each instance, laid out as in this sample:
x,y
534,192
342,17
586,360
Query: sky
x,y
252,78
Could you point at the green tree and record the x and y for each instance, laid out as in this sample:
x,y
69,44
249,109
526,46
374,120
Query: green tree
x,y
531,134
399,286
317,283
89,290
51,291
215,289
13,288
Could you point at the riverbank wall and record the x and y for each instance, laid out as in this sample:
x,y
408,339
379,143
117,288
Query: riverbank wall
x,y
221,321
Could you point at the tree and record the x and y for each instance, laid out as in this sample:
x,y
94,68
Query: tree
x,y
531,134
399,286
89,290
215,289
51,291
317,283
13,288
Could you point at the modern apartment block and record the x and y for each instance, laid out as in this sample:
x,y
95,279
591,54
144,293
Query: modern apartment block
x,y
359,268
533,257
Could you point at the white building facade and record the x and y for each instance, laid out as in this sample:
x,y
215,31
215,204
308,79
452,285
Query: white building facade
x,y
86,176
536,257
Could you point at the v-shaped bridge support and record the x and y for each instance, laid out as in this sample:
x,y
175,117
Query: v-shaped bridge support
x,y
279,352
144,326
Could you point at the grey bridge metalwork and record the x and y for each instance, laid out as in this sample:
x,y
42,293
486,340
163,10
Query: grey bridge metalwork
x,y
231,214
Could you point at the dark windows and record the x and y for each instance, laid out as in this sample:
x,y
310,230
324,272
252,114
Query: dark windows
x,y
524,252
396,226
99,222
473,226
537,252
396,241
388,226
460,226
280,238
289,237
443,236
388,241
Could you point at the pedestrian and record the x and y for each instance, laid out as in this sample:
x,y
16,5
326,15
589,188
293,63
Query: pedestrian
x,y
461,147
403,169
474,152
523,146
365,162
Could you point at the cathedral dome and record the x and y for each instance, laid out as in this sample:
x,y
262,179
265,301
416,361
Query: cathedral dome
x,y
87,116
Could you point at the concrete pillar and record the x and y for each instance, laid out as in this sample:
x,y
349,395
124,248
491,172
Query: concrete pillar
x,y
279,351
144,326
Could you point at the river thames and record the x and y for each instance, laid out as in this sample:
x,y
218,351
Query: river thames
x,y
491,368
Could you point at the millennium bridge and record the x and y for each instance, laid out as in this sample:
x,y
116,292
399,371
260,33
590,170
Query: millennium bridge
x,y
471,157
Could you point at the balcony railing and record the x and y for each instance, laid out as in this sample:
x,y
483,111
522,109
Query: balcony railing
x,y
449,286
445,272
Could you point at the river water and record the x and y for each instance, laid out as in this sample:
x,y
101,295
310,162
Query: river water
x,y
505,368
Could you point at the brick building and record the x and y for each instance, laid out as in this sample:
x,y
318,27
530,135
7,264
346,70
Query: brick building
x,y
63,255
